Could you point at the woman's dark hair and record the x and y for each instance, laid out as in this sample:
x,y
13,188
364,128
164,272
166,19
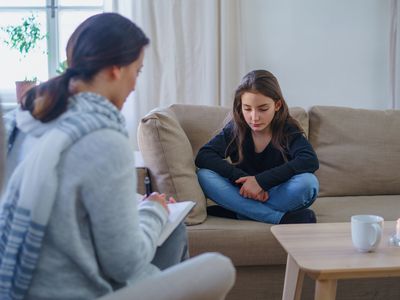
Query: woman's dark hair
x,y
101,41
265,83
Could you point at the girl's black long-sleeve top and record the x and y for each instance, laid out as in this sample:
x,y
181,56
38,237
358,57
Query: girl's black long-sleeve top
x,y
268,167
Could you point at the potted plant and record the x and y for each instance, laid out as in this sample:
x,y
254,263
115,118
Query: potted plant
x,y
24,38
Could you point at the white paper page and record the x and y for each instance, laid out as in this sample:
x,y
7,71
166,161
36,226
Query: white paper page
x,y
177,212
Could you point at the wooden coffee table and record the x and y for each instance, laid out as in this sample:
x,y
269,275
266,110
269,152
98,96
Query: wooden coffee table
x,y
325,252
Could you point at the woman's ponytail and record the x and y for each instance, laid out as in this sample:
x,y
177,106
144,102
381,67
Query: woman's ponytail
x,y
49,99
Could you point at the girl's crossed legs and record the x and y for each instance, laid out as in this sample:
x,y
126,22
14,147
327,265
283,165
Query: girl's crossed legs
x,y
297,193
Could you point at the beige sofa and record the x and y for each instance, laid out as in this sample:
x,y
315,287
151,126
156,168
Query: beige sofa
x,y
359,153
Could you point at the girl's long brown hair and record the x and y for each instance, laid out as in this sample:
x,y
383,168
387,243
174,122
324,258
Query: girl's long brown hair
x,y
101,41
265,83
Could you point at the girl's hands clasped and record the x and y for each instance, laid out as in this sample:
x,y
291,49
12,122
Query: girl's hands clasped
x,y
251,189
160,198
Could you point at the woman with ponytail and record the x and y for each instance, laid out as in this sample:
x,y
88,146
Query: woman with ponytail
x,y
271,177
70,225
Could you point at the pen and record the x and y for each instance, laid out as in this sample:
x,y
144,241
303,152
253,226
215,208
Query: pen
x,y
147,185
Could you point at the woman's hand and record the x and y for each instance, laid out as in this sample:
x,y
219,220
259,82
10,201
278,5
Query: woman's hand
x,y
160,198
251,189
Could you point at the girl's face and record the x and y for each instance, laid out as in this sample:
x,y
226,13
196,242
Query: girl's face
x,y
259,111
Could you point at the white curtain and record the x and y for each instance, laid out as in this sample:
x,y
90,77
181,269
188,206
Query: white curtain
x,y
394,55
195,54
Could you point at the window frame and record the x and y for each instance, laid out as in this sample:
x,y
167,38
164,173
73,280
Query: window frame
x,y
52,10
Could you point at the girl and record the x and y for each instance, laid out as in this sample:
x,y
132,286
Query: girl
x,y
69,222
270,179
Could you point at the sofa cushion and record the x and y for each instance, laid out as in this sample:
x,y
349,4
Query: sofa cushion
x,y
301,116
340,209
358,150
250,243
246,243
168,155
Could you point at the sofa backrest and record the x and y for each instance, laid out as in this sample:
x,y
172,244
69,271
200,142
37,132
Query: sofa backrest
x,y
358,150
169,139
200,122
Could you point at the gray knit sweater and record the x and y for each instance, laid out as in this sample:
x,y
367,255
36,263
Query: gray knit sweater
x,y
97,240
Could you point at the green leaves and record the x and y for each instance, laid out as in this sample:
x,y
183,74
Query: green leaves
x,y
24,37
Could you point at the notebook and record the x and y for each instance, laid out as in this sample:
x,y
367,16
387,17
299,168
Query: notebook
x,y
177,212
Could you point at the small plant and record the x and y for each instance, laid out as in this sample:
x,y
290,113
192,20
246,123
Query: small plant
x,y
24,37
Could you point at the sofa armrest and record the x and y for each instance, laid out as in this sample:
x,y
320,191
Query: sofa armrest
x,y
208,276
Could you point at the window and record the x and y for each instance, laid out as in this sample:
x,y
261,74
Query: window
x,y
58,19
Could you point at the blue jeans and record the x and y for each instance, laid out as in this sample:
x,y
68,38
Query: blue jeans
x,y
174,250
298,192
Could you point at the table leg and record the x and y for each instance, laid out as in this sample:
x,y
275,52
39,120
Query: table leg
x,y
325,289
293,280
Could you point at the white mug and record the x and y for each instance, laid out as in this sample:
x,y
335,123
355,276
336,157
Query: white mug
x,y
366,232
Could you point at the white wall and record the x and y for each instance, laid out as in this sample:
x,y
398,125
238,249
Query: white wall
x,y
323,52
